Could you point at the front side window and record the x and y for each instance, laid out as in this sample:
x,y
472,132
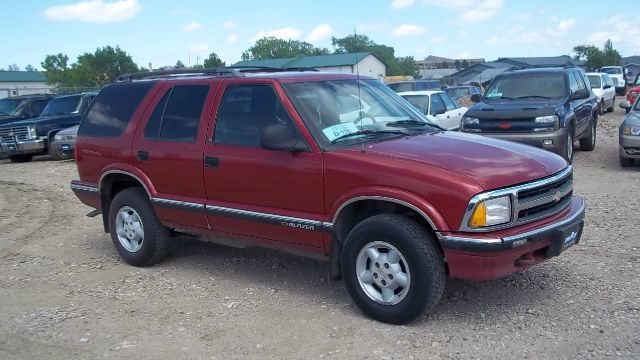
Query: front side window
x,y
245,110
437,105
448,102
341,113
177,115
63,106
523,86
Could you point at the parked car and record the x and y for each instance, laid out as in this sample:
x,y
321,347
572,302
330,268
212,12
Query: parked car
x,y
445,112
22,140
619,74
22,107
64,143
633,92
462,94
603,87
629,138
415,85
550,108
394,204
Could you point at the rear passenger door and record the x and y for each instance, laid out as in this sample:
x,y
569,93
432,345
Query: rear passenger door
x,y
168,148
251,191
454,112
578,105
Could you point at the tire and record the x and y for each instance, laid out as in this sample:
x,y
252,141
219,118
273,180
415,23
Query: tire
x,y
140,238
613,103
20,158
588,143
567,152
419,263
627,110
601,107
626,162
55,154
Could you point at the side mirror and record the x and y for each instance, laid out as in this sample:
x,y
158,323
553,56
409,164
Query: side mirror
x,y
625,104
607,87
580,95
277,137
476,98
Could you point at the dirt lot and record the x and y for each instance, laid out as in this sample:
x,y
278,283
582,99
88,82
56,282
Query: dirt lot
x,y
65,294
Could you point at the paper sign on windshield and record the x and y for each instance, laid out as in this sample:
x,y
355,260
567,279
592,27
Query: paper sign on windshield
x,y
335,131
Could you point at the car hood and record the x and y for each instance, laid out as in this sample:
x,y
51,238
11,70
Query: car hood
x,y
44,120
633,118
7,119
69,131
492,163
509,109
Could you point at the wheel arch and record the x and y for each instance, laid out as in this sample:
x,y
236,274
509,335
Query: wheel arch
x,y
111,183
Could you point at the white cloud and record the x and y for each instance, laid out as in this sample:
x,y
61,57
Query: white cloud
x,y
282,33
401,4
408,30
483,11
320,32
516,36
620,30
232,38
450,4
94,11
598,38
198,48
192,26
566,25
229,24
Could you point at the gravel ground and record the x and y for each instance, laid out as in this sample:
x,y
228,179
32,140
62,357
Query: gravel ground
x,y
65,294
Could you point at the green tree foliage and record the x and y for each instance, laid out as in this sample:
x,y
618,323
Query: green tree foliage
x,y
179,65
13,67
386,54
30,67
464,64
213,61
90,70
597,58
406,66
274,48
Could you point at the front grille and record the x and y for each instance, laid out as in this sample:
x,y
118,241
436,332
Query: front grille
x,y
516,125
545,199
19,133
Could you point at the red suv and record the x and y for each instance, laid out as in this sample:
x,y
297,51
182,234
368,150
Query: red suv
x,y
334,166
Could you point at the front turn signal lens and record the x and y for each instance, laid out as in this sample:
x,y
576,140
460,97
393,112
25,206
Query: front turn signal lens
x,y
479,217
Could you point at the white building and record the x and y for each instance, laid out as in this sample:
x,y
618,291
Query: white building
x,y
14,83
365,63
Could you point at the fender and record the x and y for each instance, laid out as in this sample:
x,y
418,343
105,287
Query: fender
x,y
394,195
127,169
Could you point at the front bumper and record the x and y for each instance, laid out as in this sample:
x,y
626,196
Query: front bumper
x,y
37,146
558,139
629,146
493,255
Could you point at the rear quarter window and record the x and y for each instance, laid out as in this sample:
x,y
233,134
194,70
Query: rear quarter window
x,y
112,109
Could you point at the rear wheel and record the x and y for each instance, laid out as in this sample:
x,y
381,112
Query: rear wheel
x,y
626,162
392,268
20,158
588,143
136,231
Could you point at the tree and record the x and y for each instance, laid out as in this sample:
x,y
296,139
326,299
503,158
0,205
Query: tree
x,y
597,58
30,68
13,67
456,64
213,61
386,54
57,69
464,64
352,43
274,48
179,65
406,66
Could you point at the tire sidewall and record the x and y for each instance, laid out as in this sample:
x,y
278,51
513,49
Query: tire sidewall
x,y
137,199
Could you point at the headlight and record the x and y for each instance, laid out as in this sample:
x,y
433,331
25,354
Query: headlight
x,y
58,137
631,130
491,212
470,124
31,130
546,119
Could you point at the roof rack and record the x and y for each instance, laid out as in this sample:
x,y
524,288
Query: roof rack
x,y
167,73
564,66
250,68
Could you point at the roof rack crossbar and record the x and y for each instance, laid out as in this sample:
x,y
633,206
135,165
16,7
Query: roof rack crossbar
x,y
250,68
166,73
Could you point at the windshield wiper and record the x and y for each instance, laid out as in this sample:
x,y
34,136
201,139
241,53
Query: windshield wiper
x,y
412,122
533,96
500,97
366,133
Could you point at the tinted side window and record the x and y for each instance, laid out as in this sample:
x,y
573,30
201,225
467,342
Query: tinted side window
x,y
112,109
437,106
573,84
247,109
182,114
152,130
581,81
448,102
401,87
37,106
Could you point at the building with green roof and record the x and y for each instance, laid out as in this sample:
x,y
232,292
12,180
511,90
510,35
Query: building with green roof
x,y
14,83
363,63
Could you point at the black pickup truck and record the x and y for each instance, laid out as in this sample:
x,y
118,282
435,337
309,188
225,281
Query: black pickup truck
x,y
22,107
21,140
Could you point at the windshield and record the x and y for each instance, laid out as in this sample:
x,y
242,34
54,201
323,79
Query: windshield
x,y
10,107
62,106
458,92
353,110
611,70
543,86
595,81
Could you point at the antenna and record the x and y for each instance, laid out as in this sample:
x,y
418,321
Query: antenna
x,y
355,45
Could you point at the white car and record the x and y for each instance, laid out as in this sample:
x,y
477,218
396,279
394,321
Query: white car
x,y
438,106
618,74
603,86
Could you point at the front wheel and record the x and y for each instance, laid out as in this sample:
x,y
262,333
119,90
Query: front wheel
x,y
20,158
588,143
601,107
613,103
626,162
136,231
567,152
393,268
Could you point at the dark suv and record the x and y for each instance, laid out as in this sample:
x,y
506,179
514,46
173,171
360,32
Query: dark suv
x,y
333,166
22,140
22,107
550,108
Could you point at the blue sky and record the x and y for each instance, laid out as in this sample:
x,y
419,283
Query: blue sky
x,y
161,32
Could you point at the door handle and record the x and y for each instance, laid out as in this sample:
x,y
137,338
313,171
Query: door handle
x,y
143,155
211,161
